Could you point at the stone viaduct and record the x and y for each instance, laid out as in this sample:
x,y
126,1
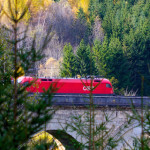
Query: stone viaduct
x,y
118,125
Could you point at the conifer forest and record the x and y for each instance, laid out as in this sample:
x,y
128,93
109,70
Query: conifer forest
x,y
113,35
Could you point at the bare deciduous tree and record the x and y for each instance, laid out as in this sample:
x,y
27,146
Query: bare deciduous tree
x,y
98,32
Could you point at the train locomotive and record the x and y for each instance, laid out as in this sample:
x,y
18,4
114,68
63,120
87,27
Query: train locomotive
x,y
99,86
70,91
68,85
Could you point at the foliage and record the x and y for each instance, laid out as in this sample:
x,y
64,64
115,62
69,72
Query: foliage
x,y
5,61
116,60
81,15
21,115
108,58
142,119
42,141
126,26
84,4
85,62
69,62
114,83
35,7
82,64
126,22
77,4
93,135
135,37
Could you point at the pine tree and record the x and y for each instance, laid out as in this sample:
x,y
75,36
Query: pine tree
x,y
81,15
117,64
21,116
82,18
97,50
136,45
69,62
5,48
128,21
85,62
93,135
111,62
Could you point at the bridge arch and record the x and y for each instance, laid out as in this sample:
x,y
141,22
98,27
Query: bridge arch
x,y
119,122
67,140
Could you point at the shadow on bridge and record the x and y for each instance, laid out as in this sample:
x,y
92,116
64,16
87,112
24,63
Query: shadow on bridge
x,y
67,140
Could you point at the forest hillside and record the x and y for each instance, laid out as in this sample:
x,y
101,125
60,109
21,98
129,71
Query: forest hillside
x,y
109,38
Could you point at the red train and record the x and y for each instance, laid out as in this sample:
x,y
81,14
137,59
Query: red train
x,y
68,85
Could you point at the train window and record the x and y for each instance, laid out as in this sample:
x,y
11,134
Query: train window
x,y
43,79
25,83
108,85
49,79
96,80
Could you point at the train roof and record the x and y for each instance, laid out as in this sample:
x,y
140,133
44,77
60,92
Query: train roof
x,y
102,80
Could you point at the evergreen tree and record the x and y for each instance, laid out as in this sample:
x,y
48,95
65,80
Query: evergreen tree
x,y
117,64
21,116
108,18
81,15
82,18
85,62
136,44
128,21
91,11
94,135
97,50
96,8
5,50
111,62
69,62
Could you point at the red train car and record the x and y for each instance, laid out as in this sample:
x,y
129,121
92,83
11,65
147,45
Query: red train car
x,y
68,85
